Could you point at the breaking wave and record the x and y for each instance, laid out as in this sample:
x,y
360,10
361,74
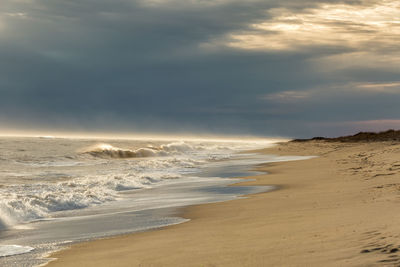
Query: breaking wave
x,y
20,203
57,178
109,151
24,203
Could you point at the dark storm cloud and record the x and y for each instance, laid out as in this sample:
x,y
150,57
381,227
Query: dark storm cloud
x,y
176,65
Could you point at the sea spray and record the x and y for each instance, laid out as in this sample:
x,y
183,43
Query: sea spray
x,y
107,150
42,178
54,190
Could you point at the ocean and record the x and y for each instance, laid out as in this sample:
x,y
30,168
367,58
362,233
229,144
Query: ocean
x,y
58,191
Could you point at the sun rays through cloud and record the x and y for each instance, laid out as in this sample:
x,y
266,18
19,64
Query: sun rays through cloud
x,y
351,26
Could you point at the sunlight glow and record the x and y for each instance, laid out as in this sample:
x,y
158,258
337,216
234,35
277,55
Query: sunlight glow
x,y
288,96
390,87
328,24
142,136
4,16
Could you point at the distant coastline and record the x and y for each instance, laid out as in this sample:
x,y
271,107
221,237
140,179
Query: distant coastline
x,y
389,135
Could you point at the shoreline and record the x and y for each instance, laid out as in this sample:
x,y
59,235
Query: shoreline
x,y
324,214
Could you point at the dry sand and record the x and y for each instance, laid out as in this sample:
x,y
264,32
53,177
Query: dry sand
x,y
340,209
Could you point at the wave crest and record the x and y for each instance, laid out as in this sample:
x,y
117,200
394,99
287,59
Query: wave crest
x,y
106,150
24,203
109,151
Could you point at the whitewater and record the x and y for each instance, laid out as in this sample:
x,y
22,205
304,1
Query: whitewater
x,y
56,191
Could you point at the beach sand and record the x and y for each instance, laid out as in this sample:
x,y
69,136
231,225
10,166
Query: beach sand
x,y
339,209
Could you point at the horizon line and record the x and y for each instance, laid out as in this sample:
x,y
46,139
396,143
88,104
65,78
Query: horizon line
x,y
141,136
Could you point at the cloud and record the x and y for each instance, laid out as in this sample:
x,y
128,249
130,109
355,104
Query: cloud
x,y
388,87
288,96
262,67
327,24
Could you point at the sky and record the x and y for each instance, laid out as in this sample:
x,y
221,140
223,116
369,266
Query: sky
x,y
268,68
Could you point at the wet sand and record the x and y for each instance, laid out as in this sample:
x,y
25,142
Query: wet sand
x,y
340,209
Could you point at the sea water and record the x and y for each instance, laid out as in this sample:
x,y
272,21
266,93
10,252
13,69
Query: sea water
x,y
56,191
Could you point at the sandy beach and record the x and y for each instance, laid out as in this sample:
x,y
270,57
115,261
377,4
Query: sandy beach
x,y
341,208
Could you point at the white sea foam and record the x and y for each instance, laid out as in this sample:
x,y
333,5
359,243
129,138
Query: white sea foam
x,y
46,181
9,250
107,150
22,203
57,183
